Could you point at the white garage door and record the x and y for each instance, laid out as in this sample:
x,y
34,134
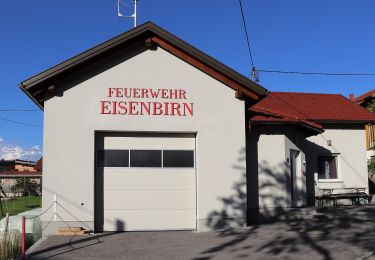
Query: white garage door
x,y
148,182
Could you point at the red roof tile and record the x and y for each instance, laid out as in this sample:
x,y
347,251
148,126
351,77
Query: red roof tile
x,y
266,116
310,107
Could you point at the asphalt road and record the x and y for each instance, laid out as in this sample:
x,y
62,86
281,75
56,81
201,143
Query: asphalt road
x,y
350,236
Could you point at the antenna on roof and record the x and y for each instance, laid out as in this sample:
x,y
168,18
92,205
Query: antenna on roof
x,y
134,15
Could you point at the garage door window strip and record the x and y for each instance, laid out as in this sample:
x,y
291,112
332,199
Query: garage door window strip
x,y
178,158
113,158
146,158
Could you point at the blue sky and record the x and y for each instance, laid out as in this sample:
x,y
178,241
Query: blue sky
x,y
328,36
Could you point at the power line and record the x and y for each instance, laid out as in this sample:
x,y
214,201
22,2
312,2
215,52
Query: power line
x,y
19,110
247,36
255,70
316,73
19,123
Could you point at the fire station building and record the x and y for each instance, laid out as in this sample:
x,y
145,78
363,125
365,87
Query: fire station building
x,y
146,132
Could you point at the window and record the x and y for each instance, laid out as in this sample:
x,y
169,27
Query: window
x,y
370,137
327,167
112,158
145,158
178,158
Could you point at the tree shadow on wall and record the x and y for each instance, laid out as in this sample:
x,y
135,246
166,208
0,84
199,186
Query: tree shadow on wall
x,y
234,206
350,229
237,205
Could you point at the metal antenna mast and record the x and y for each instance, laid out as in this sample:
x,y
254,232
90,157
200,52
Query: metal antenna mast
x,y
134,15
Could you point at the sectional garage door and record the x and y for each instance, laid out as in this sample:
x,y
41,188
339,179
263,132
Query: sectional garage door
x,y
145,182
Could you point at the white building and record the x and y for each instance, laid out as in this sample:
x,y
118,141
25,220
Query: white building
x,y
145,132
307,142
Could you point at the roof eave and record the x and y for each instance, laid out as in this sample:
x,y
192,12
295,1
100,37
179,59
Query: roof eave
x,y
22,87
311,128
148,27
77,59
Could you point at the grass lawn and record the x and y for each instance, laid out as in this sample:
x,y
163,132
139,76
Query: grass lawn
x,y
20,204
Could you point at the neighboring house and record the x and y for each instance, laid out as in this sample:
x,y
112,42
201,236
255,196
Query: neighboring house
x,y
17,165
310,141
146,132
39,165
367,100
11,170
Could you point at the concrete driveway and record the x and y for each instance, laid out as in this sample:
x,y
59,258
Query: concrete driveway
x,y
340,235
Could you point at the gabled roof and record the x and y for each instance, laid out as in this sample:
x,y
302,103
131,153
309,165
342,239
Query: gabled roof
x,y
367,95
147,34
309,108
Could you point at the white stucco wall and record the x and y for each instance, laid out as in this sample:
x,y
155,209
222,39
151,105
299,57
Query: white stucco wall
x,y
350,145
275,172
272,171
71,119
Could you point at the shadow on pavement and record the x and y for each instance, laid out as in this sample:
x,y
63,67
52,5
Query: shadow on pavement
x,y
344,227
73,243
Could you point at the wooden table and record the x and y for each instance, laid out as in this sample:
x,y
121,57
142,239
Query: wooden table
x,y
329,195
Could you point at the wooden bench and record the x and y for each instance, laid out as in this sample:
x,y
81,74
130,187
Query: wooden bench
x,y
331,196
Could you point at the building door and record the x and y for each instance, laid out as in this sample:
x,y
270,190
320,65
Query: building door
x,y
145,182
293,177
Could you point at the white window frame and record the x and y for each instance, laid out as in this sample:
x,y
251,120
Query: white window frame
x,y
338,166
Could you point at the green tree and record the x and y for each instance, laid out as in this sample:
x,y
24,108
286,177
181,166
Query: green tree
x,y
25,186
371,106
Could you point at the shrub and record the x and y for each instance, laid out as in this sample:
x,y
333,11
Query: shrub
x,y
10,243
10,247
